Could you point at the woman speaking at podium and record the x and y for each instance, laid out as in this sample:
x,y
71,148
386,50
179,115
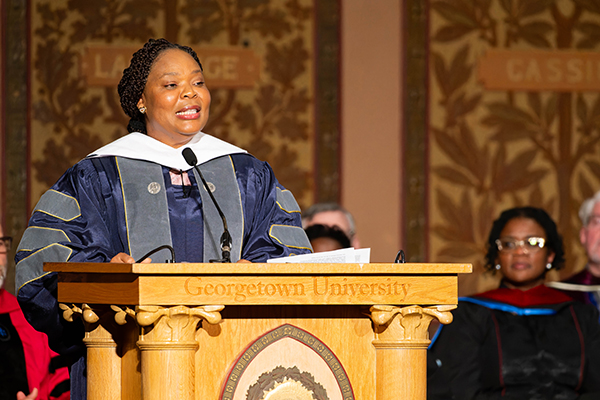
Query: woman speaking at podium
x,y
143,192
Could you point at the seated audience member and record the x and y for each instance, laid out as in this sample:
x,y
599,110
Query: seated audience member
x,y
326,238
583,282
523,340
331,214
26,361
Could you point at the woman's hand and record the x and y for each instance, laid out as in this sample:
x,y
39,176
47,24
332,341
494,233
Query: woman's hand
x,y
127,259
32,395
244,261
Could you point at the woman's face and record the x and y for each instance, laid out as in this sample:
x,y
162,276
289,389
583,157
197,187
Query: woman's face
x,y
523,268
176,98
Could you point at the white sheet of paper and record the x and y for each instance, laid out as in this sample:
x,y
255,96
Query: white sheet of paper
x,y
348,255
362,256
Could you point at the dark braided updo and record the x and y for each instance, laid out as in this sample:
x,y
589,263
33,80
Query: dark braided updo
x,y
134,79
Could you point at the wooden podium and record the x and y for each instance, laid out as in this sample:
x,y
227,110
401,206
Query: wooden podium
x,y
257,331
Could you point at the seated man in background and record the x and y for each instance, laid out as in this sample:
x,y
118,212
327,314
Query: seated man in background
x,y
331,214
326,238
584,286
27,365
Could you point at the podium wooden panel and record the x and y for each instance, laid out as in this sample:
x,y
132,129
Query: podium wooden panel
x,y
199,331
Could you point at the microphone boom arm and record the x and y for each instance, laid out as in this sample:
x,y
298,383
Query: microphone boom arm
x,y
226,240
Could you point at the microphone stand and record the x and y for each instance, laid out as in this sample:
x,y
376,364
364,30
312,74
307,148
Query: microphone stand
x,y
226,240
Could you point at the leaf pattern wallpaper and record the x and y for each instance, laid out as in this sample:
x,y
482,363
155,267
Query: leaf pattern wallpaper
x,y
273,120
495,149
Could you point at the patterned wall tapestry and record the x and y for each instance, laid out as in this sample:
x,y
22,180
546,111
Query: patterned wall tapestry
x,y
514,120
75,111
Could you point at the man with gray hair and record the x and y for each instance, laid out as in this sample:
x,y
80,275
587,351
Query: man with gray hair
x,y
331,214
585,285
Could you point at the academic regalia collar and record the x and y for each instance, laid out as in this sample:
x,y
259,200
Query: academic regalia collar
x,y
140,146
579,284
584,277
538,301
8,302
538,296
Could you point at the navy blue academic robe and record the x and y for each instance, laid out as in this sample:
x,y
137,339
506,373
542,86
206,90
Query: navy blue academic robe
x,y
99,232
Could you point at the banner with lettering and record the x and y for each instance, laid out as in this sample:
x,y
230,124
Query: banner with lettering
x,y
513,120
257,65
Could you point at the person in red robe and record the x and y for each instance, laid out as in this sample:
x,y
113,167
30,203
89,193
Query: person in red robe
x,y
28,368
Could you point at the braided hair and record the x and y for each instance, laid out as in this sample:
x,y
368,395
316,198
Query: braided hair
x,y
132,84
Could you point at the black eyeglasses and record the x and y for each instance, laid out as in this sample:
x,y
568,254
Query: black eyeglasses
x,y
5,243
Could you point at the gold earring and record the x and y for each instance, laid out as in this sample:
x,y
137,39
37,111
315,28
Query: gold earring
x,y
142,110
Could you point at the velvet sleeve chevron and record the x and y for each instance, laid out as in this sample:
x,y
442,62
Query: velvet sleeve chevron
x,y
73,221
272,226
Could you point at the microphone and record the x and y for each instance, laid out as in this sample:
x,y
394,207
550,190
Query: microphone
x,y
226,239
400,258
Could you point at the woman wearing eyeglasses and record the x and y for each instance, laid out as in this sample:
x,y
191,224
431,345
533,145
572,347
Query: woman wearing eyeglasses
x,y
523,340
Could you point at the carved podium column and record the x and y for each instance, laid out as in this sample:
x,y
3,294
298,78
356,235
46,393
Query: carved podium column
x,y
401,345
168,348
103,360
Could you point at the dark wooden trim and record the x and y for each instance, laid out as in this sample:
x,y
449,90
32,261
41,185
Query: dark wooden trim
x,y
2,113
16,125
415,128
327,101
